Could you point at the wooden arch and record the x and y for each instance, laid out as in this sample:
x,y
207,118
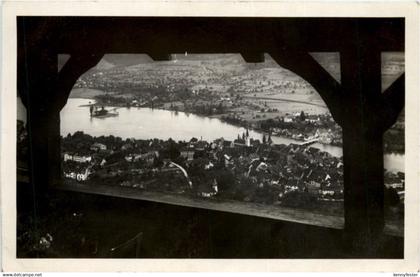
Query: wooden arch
x,y
356,103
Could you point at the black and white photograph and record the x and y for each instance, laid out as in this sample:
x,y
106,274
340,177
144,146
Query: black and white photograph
x,y
194,137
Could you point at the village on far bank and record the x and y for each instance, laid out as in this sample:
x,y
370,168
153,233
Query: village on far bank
x,y
300,121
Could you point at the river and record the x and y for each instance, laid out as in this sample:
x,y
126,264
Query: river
x,y
146,123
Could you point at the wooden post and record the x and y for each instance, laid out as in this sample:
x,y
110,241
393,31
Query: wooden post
x,y
358,106
43,122
363,189
362,148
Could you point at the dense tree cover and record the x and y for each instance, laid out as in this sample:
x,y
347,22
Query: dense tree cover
x,y
170,151
300,125
206,109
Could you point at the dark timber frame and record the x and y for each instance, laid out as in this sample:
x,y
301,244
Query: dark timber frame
x,y
356,104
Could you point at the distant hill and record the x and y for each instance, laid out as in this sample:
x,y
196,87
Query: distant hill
x,y
112,60
225,71
122,60
104,65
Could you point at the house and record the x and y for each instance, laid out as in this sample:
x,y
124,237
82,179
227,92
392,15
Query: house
x,y
209,166
311,120
398,186
287,119
208,190
77,158
262,167
228,160
254,156
331,193
290,188
133,157
126,146
82,159
103,162
313,187
187,153
401,195
68,157
125,184
149,157
98,147
248,141
79,176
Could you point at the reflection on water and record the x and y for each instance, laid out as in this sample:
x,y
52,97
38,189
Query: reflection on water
x,y
146,123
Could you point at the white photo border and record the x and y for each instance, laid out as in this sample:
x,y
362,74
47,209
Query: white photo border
x,y
12,9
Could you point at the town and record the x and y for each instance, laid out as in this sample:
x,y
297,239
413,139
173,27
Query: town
x,y
298,126
244,169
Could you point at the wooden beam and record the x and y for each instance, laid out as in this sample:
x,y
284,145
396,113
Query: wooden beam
x,y
213,35
250,57
362,148
160,56
393,99
70,73
304,65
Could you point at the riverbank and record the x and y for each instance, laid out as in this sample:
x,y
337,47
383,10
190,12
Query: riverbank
x,y
245,116
330,134
261,116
